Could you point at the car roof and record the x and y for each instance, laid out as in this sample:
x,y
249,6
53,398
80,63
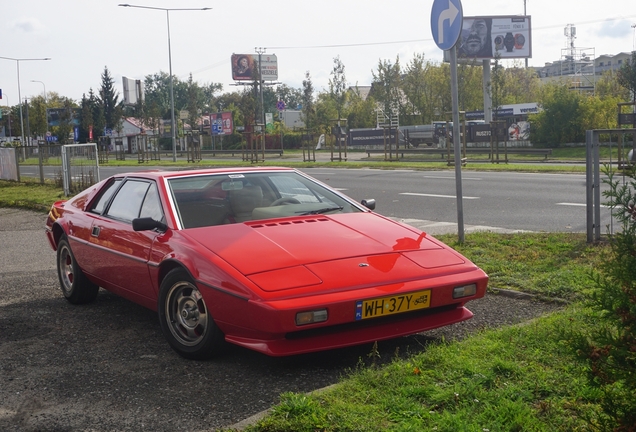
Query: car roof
x,y
165,174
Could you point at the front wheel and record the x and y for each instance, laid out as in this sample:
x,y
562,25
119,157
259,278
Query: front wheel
x,y
76,287
185,319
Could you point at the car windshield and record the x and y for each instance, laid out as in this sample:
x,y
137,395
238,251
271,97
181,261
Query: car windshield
x,y
218,199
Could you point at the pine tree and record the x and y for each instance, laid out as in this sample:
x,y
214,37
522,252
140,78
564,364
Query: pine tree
x,y
108,97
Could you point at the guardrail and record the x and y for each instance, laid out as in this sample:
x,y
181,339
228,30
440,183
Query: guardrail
x,y
471,150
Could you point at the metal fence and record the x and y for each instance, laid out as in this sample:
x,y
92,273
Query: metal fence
x,y
73,167
593,173
80,167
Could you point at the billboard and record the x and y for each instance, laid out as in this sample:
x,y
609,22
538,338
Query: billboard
x,y
244,67
55,116
221,123
133,91
370,137
488,37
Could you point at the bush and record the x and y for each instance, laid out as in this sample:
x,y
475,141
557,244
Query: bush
x,y
610,349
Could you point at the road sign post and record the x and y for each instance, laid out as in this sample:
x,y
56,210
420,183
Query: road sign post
x,y
447,17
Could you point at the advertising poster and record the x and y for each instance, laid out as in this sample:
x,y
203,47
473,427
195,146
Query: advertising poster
x,y
245,66
488,37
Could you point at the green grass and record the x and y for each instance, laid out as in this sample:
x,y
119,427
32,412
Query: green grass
x,y
29,194
521,378
549,265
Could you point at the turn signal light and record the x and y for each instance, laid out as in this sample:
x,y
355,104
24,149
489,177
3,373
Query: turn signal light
x,y
311,317
464,291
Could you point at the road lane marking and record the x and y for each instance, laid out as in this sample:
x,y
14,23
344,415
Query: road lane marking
x,y
436,196
452,178
576,204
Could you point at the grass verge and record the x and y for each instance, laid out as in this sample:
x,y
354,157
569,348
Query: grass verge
x,y
521,378
29,194
549,265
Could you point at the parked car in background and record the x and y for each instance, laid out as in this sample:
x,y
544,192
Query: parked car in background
x,y
266,258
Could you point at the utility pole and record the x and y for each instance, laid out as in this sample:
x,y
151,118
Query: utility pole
x,y
524,14
260,51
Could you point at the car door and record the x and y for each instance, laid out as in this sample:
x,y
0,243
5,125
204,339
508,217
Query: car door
x,y
121,254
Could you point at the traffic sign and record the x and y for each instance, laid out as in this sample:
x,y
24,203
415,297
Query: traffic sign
x,y
447,17
280,106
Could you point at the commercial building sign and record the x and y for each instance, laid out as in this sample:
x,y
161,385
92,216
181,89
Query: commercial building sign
x,y
515,110
370,137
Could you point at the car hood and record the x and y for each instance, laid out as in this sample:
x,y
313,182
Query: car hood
x,y
283,254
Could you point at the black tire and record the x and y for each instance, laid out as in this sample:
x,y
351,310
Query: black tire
x,y
76,287
185,319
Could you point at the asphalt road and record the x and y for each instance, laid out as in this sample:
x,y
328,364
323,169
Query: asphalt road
x,y
105,366
510,200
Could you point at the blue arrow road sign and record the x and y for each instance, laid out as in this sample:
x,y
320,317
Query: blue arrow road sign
x,y
447,17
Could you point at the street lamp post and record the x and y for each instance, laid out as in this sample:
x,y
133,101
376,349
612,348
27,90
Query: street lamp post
x,y
9,114
172,116
44,89
17,61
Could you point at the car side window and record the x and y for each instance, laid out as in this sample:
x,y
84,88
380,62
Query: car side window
x,y
126,205
105,197
152,204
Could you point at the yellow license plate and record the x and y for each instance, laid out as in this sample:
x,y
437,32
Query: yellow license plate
x,y
383,306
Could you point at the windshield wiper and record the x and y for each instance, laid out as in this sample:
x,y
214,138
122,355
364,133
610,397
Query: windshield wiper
x,y
320,211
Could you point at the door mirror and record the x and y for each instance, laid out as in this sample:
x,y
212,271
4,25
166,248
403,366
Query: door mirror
x,y
368,203
147,224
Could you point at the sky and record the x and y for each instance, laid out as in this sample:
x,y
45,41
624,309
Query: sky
x,y
82,37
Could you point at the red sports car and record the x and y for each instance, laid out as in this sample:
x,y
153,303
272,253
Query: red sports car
x,y
265,258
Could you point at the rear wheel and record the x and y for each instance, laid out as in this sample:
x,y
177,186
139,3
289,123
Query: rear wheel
x,y
185,319
76,287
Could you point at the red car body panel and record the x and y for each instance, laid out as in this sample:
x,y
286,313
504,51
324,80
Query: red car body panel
x,y
256,276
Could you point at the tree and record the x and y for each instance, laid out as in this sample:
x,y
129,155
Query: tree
x,y
37,116
86,119
111,107
610,347
308,106
338,86
469,86
626,77
496,86
293,97
66,121
608,86
386,86
560,120
97,110
360,112
194,102
520,85
416,86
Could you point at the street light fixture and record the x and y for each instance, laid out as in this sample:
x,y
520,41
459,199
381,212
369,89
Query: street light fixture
x,y
17,62
44,85
173,122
